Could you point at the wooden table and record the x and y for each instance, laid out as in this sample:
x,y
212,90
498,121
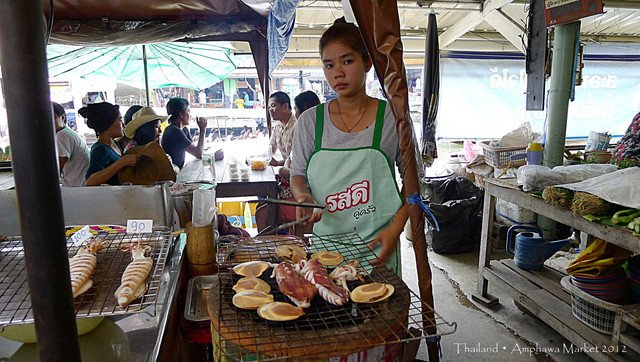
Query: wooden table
x,y
260,183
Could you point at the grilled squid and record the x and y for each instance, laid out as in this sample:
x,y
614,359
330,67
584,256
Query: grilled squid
x,y
344,273
314,272
293,285
133,283
81,266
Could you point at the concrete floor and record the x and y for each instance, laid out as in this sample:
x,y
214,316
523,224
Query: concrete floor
x,y
518,336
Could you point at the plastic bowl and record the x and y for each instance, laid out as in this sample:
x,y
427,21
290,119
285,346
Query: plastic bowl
x,y
26,333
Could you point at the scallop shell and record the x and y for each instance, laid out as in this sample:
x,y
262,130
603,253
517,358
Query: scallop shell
x,y
372,293
280,312
328,258
251,283
251,268
290,252
251,299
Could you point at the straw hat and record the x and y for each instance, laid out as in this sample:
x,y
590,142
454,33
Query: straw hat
x,y
152,167
140,118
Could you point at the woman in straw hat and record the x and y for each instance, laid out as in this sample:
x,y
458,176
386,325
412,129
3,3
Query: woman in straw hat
x,y
144,127
105,158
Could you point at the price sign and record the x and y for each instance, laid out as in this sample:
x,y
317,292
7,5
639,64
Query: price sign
x,y
81,235
139,226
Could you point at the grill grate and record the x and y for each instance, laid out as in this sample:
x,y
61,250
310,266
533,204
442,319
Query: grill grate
x,y
99,300
325,330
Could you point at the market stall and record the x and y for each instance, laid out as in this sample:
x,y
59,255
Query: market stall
x,y
126,22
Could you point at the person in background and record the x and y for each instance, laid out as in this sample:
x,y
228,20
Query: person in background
x,y
302,102
176,139
73,153
239,102
123,141
352,170
246,133
144,127
202,98
282,131
105,158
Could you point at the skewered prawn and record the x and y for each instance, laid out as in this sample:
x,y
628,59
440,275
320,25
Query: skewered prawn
x,y
133,284
81,266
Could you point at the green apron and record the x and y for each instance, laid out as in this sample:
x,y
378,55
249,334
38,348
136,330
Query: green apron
x,y
358,186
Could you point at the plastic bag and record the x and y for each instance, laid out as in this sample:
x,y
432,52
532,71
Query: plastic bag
x,y
204,207
599,258
523,135
469,152
455,203
597,141
536,177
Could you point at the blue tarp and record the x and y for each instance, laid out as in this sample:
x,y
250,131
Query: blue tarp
x,y
282,18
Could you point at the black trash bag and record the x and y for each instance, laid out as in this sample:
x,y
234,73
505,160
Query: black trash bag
x,y
456,204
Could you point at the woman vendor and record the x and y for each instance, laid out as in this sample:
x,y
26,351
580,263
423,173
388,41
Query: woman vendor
x,y
105,158
176,139
343,154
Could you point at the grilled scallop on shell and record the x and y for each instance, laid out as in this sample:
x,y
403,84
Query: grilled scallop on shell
x,y
328,258
290,252
251,299
280,312
372,293
251,268
251,283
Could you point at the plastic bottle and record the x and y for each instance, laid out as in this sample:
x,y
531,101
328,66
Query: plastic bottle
x,y
248,224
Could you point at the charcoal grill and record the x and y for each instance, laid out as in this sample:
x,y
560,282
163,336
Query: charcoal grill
x,y
325,330
99,300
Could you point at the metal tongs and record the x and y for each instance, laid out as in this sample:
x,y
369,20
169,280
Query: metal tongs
x,y
269,230
290,203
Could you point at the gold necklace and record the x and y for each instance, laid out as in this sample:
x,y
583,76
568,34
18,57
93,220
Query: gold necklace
x,y
361,117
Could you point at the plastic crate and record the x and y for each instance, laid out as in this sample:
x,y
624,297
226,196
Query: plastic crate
x,y
593,312
499,156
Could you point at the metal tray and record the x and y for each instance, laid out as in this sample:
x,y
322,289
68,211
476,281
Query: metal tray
x,y
195,309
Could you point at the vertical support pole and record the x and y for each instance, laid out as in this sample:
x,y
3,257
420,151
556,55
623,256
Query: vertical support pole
x,y
146,75
562,70
35,166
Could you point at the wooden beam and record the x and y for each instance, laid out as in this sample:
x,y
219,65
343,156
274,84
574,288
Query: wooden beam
x,y
469,22
508,27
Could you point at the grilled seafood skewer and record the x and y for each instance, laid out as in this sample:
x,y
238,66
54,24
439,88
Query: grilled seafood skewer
x,y
314,272
133,283
81,266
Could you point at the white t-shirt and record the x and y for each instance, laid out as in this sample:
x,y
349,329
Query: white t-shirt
x,y
69,144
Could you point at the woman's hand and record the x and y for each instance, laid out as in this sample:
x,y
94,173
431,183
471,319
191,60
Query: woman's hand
x,y
388,238
314,214
128,160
